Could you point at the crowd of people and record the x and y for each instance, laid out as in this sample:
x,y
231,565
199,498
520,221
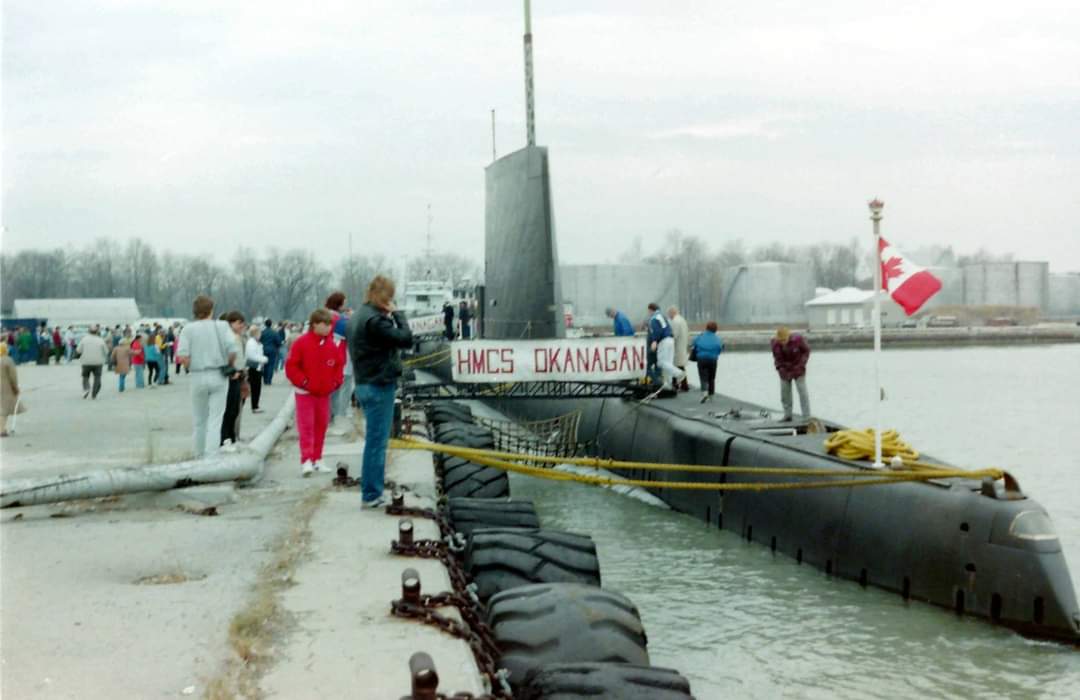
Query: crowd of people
x,y
230,362
670,349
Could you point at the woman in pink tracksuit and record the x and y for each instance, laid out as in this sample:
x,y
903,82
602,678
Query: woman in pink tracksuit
x,y
315,366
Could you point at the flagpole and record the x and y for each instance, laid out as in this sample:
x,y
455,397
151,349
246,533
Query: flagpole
x,y
875,215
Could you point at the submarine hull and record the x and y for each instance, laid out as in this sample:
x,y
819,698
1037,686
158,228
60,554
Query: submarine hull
x,y
943,542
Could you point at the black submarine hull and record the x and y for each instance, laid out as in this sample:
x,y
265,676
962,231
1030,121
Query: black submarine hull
x,y
952,543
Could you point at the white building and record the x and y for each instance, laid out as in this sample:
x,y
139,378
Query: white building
x,y
78,312
849,307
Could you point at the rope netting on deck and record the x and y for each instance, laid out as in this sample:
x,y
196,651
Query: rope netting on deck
x,y
554,437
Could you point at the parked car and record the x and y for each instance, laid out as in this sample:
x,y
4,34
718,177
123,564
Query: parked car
x,y
942,322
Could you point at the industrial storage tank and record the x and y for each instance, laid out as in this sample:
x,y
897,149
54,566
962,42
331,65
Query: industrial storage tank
x,y
766,293
1007,284
1033,285
1064,295
590,289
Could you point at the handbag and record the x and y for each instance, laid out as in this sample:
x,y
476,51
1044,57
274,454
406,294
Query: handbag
x,y
693,353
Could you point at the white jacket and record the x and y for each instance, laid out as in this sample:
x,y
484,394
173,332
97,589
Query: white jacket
x,y
92,350
253,352
681,332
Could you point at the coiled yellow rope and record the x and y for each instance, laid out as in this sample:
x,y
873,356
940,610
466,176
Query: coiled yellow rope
x,y
859,444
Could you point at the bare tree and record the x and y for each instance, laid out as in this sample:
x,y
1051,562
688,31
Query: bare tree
x,y
444,266
732,254
247,278
295,280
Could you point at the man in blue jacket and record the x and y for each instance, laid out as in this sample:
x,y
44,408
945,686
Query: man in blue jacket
x,y
622,323
662,342
271,342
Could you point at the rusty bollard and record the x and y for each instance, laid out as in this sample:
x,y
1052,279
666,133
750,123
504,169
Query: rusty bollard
x,y
425,680
405,531
397,499
410,586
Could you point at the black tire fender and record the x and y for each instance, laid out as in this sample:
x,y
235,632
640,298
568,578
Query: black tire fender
x,y
498,559
561,623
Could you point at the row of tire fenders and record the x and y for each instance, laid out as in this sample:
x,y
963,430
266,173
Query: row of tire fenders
x,y
560,634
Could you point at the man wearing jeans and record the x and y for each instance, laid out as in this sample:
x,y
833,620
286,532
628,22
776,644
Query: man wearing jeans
x,y
206,346
377,331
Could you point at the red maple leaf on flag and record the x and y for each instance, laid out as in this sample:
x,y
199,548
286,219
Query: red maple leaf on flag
x,y
891,268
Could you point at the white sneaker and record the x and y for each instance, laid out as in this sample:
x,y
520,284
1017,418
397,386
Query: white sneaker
x,y
319,466
229,446
377,503
306,469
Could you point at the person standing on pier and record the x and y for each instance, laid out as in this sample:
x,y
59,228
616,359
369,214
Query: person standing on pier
x,y
57,344
138,359
680,333
9,389
208,349
377,332
230,428
341,401
255,360
92,356
271,342
152,355
706,351
790,355
316,367
121,361
623,327
69,344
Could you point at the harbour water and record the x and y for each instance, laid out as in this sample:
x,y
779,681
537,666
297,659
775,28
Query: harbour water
x,y
739,621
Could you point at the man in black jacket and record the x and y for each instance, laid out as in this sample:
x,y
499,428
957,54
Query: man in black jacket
x,y
377,332
448,320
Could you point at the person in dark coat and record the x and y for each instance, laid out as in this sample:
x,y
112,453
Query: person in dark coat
x,y
465,317
377,332
448,320
271,341
790,355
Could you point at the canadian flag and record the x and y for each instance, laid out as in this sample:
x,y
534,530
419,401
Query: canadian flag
x,y
908,284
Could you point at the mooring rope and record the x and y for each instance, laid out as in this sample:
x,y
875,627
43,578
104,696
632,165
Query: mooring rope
x,y
509,461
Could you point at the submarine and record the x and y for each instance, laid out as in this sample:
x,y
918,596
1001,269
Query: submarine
x,y
982,549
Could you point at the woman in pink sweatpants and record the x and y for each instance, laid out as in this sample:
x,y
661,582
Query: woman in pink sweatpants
x,y
315,366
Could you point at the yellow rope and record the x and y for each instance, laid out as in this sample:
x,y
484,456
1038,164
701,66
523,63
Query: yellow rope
x,y
507,461
859,444
428,360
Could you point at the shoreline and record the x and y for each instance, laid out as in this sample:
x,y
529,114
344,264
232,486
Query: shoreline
x,y
863,338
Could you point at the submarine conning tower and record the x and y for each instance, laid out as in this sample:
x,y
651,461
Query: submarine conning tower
x,y
522,295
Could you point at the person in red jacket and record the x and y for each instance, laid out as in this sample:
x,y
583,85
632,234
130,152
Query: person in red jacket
x,y
790,354
315,366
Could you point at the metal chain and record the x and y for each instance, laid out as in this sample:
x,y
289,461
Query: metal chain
x,y
473,629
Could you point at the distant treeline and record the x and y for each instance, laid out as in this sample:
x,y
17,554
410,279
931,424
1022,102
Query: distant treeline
x,y
275,283
289,283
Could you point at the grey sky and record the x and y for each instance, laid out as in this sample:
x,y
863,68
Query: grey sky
x,y
201,125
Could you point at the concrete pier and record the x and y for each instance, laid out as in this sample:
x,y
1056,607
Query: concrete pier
x,y
285,592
